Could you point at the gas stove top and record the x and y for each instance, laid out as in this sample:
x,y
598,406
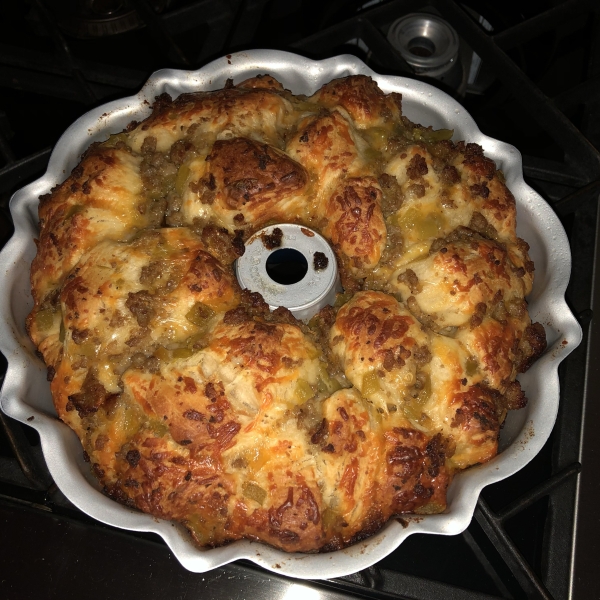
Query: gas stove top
x,y
529,76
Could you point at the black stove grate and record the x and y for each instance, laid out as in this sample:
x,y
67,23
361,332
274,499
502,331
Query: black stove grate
x,y
543,66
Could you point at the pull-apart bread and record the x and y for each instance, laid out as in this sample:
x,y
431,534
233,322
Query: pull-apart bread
x,y
194,401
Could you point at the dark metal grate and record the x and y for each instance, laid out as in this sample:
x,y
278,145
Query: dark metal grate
x,y
521,543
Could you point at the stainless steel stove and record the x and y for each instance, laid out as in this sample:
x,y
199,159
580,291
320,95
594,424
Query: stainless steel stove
x,y
529,75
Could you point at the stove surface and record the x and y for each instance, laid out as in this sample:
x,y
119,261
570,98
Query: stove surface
x,y
528,77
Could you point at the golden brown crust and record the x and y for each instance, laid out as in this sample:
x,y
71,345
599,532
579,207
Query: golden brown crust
x,y
361,97
99,200
250,179
377,341
326,146
195,402
355,222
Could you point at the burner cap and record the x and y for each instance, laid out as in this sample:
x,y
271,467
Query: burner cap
x,y
87,19
427,43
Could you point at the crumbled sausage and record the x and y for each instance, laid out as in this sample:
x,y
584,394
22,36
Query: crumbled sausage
x,y
152,365
533,345
392,197
320,261
181,151
409,278
141,305
444,150
416,190
449,175
395,358
514,397
446,201
80,335
320,433
480,224
421,354
133,457
148,145
153,272
91,395
272,240
220,243
137,336
480,189
417,167
477,316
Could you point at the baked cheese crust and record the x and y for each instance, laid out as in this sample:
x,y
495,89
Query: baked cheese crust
x,y
196,403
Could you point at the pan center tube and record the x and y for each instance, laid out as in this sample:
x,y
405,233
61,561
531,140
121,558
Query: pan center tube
x,y
292,266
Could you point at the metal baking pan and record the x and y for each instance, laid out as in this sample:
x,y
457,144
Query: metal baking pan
x,y
26,395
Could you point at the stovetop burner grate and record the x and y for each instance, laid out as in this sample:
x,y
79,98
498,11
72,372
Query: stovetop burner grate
x,y
521,543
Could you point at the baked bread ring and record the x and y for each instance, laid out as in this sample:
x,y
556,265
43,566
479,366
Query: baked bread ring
x,y
195,402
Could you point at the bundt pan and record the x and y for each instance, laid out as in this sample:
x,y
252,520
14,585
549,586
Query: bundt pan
x,y
26,394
